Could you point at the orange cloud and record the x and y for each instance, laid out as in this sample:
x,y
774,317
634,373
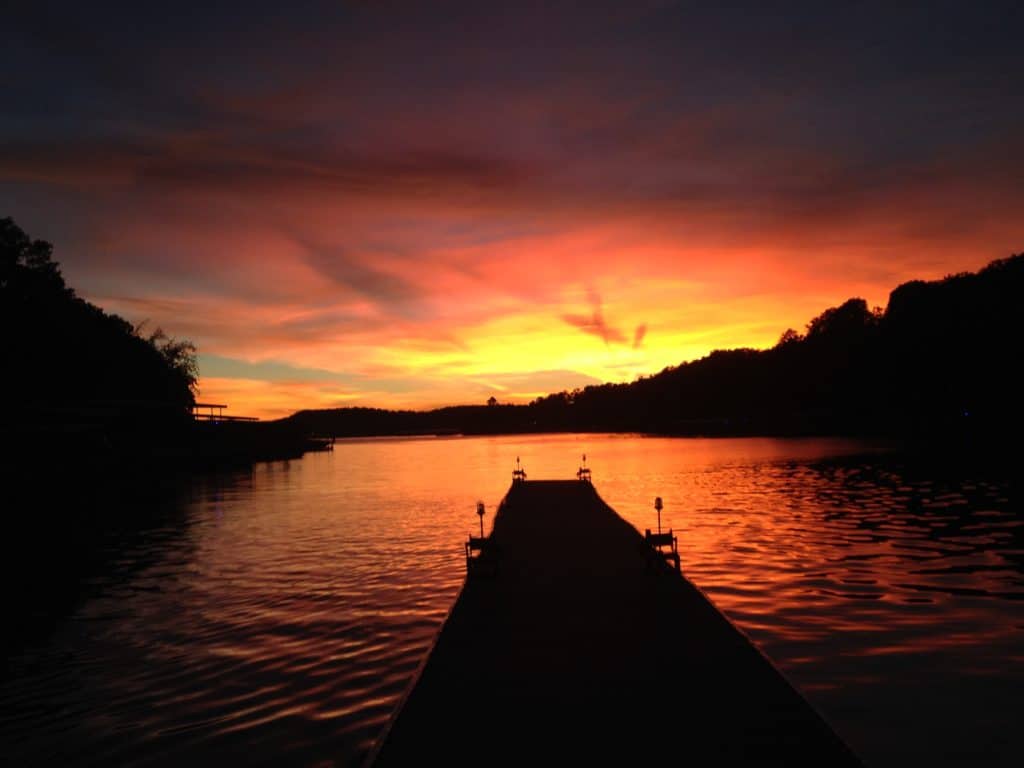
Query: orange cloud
x,y
411,219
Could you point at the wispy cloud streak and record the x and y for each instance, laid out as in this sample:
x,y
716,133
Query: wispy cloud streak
x,y
411,199
595,323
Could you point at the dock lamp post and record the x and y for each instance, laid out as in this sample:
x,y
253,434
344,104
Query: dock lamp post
x,y
658,506
480,512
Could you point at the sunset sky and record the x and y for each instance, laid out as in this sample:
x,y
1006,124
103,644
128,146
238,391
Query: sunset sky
x,y
411,205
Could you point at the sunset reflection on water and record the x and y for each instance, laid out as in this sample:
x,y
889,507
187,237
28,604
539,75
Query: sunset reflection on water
x,y
890,593
283,619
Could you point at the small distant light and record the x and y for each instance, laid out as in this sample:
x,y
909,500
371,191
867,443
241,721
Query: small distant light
x,y
966,414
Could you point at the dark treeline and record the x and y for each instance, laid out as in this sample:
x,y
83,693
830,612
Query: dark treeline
x,y
85,390
939,360
64,352
95,434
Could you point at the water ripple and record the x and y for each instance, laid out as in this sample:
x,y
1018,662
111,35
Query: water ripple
x,y
282,620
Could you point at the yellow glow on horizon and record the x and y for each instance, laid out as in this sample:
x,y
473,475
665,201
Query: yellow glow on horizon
x,y
483,357
269,400
518,318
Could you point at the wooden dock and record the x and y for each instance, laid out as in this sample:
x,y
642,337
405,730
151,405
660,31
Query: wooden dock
x,y
582,648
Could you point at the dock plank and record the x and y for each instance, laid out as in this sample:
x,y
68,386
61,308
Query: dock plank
x,y
582,648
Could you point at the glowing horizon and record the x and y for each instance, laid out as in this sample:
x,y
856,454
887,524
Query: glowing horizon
x,y
361,206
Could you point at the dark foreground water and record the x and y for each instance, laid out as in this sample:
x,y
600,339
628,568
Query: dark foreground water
x,y
275,616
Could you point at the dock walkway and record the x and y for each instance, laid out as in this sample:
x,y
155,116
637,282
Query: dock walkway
x,y
583,649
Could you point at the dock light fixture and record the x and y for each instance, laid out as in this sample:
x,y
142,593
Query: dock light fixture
x,y
583,473
658,506
518,474
480,512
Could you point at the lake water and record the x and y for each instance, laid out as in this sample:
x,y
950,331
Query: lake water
x,y
275,616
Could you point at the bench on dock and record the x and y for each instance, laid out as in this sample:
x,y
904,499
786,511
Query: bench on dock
x,y
659,540
479,556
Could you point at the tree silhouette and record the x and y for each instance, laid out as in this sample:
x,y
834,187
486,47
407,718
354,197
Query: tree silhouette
x,y
63,351
939,360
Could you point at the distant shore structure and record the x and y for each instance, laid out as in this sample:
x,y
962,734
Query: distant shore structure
x,y
199,415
